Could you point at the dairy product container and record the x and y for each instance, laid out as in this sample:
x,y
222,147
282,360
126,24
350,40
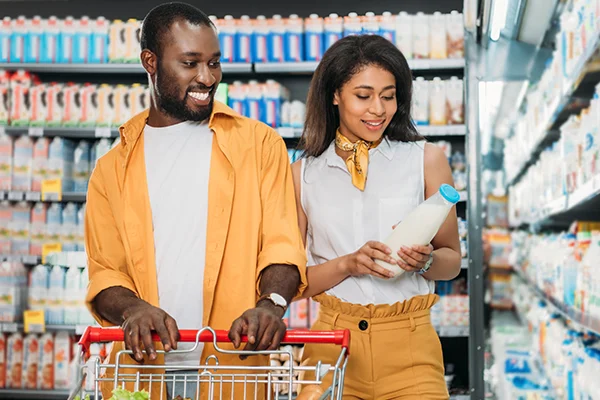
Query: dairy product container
x,y
62,358
404,34
46,366
5,39
132,40
99,41
6,163
261,39
121,107
4,97
117,45
333,26
88,112
17,40
50,40
437,102
420,31
20,82
236,96
421,225
81,167
56,290
370,24
60,162
387,26
255,103
81,40
14,361
72,293
420,106
273,98
38,228
313,38
277,42
437,29
105,108
5,225
31,360
455,35
297,114
20,228
294,39
227,38
66,36
352,24
454,101
22,164
33,40
37,101
39,163
54,104
71,105
244,40
80,233
69,227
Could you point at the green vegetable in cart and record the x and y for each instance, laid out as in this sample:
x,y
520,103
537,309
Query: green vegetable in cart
x,y
87,397
123,394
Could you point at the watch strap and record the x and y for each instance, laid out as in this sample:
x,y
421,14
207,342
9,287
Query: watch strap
x,y
268,297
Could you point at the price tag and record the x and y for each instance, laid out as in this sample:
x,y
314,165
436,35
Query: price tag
x,y
33,196
52,190
16,196
103,132
9,327
36,131
30,260
49,248
286,132
2,130
34,321
2,194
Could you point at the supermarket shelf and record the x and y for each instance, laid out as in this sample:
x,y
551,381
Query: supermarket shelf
x,y
27,260
561,102
308,67
289,133
67,132
452,331
11,327
133,68
443,130
583,322
460,397
21,394
75,197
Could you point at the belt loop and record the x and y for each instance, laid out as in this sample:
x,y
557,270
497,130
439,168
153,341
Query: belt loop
x,y
413,325
334,319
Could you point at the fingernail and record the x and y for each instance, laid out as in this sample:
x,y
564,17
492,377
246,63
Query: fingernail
x,y
139,356
153,356
251,340
167,348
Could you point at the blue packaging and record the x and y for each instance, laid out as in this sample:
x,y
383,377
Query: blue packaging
x,y
17,40
333,29
236,97
99,41
273,100
50,41
33,40
5,34
276,43
294,39
255,101
67,28
260,40
81,41
244,40
387,28
352,25
227,33
313,38
370,26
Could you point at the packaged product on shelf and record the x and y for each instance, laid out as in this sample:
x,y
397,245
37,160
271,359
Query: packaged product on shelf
x,y
81,40
313,312
454,101
132,40
22,160
2,361
60,162
352,24
37,105
387,27
14,361
54,223
50,40
88,115
297,113
437,102
6,156
236,96
420,106
62,358
84,317
260,39
80,231
277,42
5,225
243,44
370,24
71,299
455,35
333,27
17,39
294,39
100,148
37,294
81,167
71,105
20,82
46,365
314,44
446,147
33,40
5,102
254,100
421,32
56,294
117,42
54,106
99,41
31,361
227,33
299,314
20,229
67,31
69,227
437,29
5,35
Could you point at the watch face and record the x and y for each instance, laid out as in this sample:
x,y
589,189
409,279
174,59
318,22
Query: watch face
x,y
278,299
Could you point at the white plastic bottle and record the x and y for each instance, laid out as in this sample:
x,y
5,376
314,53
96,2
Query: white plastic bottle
x,y
437,37
421,225
404,34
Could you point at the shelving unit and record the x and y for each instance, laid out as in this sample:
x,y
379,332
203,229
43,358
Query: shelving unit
x,y
22,394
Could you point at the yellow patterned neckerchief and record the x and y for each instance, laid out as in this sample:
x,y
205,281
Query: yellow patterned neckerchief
x,y
358,162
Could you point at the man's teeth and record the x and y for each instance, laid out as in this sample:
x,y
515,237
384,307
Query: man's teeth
x,y
199,96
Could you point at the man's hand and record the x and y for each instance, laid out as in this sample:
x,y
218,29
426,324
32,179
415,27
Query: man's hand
x,y
263,326
139,322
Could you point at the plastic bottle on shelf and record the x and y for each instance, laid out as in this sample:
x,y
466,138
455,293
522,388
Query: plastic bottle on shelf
x,y
17,40
421,225
227,38
314,44
38,228
22,159
81,40
352,24
387,26
404,34
80,230
255,101
333,26
420,107
437,102
244,39
49,48
277,42
237,98
421,33
99,41
5,38
261,39
455,35
38,288
370,24
33,39
71,296
69,227
454,101
20,229
67,32
273,98
56,290
437,29
294,39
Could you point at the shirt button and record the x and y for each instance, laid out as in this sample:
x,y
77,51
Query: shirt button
x,y
363,325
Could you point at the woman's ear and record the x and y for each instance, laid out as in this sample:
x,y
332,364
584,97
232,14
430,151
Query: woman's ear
x,y
336,99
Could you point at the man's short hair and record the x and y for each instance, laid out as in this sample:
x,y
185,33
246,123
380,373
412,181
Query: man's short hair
x,y
159,20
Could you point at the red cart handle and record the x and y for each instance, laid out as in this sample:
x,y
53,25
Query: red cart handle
x,y
337,337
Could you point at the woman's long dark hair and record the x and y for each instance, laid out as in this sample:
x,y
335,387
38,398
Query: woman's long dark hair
x,y
340,63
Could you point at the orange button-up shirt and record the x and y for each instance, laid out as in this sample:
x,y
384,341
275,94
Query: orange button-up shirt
x,y
252,220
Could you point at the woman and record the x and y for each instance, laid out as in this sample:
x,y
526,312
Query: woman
x,y
364,169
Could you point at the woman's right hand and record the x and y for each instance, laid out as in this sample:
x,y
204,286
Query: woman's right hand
x,y
361,262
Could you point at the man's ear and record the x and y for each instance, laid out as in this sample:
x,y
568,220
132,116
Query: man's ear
x,y
149,61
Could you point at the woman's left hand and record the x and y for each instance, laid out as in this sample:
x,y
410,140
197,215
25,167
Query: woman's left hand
x,y
414,258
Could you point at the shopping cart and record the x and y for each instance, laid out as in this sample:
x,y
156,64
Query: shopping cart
x,y
213,378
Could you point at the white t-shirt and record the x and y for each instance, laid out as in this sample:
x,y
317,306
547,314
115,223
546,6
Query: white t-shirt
x,y
177,168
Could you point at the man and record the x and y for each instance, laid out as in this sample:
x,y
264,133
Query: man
x,y
191,221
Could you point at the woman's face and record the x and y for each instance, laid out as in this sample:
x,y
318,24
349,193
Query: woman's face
x,y
366,104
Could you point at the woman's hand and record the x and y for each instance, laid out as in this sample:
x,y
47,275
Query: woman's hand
x,y
362,262
414,258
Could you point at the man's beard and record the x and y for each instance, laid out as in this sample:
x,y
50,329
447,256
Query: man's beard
x,y
168,100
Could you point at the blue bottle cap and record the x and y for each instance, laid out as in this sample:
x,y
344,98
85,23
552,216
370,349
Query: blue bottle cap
x,y
449,193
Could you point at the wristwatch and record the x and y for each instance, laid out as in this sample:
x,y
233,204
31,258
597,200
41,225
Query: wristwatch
x,y
427,265
276,299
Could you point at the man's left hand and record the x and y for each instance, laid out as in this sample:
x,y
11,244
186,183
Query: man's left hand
x,y
263,325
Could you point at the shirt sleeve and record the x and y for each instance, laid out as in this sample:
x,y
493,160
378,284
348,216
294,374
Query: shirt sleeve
x,y
107,263
281,241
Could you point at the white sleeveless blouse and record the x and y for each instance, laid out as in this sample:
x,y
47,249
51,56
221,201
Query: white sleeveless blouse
x,y
341,218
